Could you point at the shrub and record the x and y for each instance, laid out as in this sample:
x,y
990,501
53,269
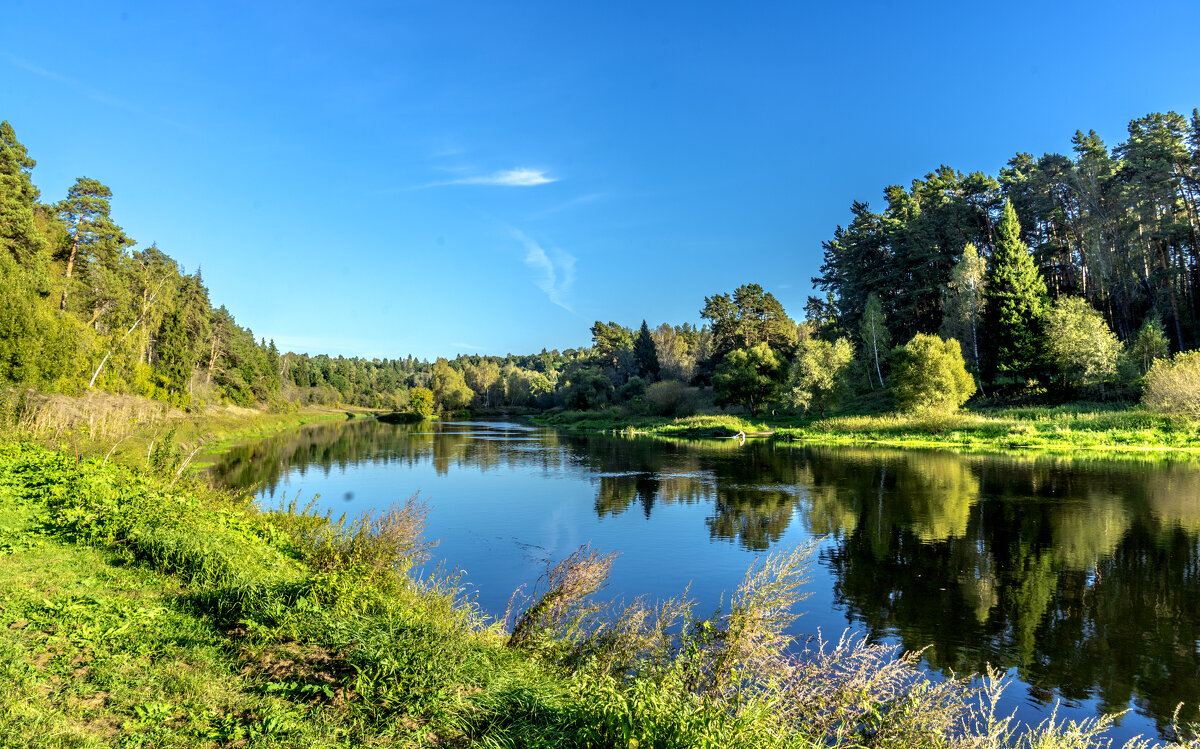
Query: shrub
x,y
1079,341
1149,344
749,377
420,401
818,378
673,398
929,375
1173,385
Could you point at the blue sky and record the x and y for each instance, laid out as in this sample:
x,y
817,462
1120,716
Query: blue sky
x,y
436,178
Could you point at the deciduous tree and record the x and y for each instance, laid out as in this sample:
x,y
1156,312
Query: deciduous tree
x,y
751,377
1079,341
818,375
875,337
964,304
930,376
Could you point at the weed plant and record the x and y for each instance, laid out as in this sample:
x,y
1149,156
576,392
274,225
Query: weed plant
x,y
140,611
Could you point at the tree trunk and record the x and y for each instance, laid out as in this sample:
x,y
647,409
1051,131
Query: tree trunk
x,y
875,347
212,360
62,305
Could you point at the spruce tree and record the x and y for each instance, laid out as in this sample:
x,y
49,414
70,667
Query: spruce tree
x,y
1016,303
17,199
175,357
645,354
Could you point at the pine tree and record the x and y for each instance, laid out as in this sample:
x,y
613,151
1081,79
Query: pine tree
x,y
175,357
645,354
1016,302
92,232
17,199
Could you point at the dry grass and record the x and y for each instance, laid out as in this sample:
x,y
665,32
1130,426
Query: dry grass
x,y
95,415
381,545
562,604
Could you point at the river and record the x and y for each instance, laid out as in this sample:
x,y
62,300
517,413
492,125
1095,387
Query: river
x,y
1080,577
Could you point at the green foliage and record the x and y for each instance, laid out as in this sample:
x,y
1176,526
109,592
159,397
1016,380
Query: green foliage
x,y
673,398
746,318
612,346
587,388
483,378
96,243
18,198
818,375
645,354
965,302
183,618
1079,341
905,253
750,377
930,376
1117,226
875,336
420,401
1016,302
1173,385
679,349
176,358
37,346
450,390
1150,343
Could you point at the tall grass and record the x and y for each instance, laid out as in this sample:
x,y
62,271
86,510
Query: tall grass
x,y
394,657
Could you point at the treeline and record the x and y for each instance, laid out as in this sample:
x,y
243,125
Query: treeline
x,y
1119,228
1081,270
80,308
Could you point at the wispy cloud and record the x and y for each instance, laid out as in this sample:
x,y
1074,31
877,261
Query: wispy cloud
x,y
321,345
581,200
95,94
507,178
554,271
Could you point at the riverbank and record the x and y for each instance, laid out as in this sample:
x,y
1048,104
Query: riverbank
x,y
127,429
139,611
1073,427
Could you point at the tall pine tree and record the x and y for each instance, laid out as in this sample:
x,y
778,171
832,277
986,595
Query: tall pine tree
x,y
645,354
1016,303
18,197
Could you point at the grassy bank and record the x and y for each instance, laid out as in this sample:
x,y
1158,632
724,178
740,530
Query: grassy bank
x,y
140,612
128,429
1086,426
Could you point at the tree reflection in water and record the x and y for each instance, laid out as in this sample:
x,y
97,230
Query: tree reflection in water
x,y
1083,575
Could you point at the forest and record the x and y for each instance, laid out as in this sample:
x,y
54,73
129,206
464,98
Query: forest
x,y
1064,277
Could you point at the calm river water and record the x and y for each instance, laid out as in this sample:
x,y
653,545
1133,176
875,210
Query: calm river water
x,y
1080,577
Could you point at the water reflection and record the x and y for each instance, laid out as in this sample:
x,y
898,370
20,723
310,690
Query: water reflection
x,y
1082,575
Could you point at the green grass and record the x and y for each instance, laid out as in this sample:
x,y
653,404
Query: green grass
x,y
143,610
1128,429
615,420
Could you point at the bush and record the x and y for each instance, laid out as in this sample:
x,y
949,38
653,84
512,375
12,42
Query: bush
x,y
930,376
1079,341
818,378
1173,385
673,398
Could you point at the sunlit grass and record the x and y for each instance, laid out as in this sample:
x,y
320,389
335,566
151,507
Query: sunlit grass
x,y
139,613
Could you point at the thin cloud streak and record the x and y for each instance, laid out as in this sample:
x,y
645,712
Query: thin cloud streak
x,y
96,94
506,178
581,200
553,275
